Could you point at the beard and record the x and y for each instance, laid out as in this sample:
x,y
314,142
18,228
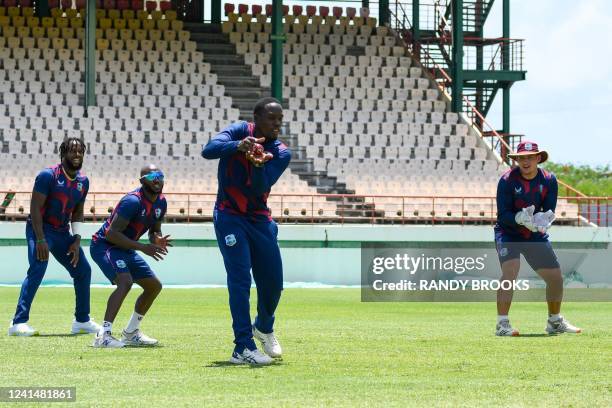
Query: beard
x,y
150,190
70,167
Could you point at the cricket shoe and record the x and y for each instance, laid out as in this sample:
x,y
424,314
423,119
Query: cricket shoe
x,y
137,338
254,357
561,326
269,342
106,340
89,327
22,329
504,328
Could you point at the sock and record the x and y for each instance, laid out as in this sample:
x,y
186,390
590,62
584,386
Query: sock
x,y
107,327
134,323
502,317
554,317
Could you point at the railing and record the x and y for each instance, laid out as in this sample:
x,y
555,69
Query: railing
x,y
341,208
505,54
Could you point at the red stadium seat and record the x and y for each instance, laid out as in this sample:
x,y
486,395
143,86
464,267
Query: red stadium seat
x,y
297,10
268,9
150,6
351,12
10,3
52,4
324,11
229,8
137,5
256,8
123,4
364,12
100,4
311,10
25,3
81,4
66,4
109,4
243,8
165,6
285,10
337,12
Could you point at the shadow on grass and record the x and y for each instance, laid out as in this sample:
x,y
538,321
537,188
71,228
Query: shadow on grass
x,y
225,363
536,335
59,335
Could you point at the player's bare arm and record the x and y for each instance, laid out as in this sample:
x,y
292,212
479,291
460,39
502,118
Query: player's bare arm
x,y
36,204
116,237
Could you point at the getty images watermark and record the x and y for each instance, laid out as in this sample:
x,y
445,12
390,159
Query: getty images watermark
x,y
466,274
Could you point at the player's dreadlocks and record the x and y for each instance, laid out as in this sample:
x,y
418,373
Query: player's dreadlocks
x,y
65,146
261,104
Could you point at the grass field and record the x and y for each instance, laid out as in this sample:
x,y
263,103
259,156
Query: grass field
x,y
338,352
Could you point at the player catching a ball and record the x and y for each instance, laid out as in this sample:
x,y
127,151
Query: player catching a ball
x,y
251,162
114,248
526,201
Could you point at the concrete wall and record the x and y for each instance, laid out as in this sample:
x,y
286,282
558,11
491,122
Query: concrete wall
x,y
328,254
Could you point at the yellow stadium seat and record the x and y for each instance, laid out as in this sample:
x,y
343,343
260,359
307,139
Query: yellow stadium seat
x,y
163,25
100,14
47,22
119,23
53,32
73,44
170,15
156,15
13,11
5,21
43,43
184,36
148,24
232,17
126,34
76,22
58,43
128,14
56,12
140,35
62,22
177,25
142,15
38,32
99,33
9,31
169,35
246,18
111,34
23,32
67,32
114,14
134,24
155,35
117,44
2,11
33,22
13,42
28,42
71,13
131,45
105,23
79,33
18,21
27,11
82,13
102,44
371,22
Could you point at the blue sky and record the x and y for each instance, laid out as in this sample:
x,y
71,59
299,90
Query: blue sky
x,y
565,103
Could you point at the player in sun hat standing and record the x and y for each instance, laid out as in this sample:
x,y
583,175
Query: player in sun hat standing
x,y
526,201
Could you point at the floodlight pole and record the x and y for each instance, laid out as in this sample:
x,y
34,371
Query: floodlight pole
x,y
215,11
457,67
277,39
90,54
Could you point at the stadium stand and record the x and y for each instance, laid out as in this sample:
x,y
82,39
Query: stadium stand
x,y
360,113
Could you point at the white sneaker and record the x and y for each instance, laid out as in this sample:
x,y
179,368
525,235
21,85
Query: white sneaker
x,y
504,328
269,342
22,329
87,327
255,357
137,338
561,326
106,340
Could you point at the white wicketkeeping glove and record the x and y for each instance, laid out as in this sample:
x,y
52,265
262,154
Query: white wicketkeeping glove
x,y
543,220
525,218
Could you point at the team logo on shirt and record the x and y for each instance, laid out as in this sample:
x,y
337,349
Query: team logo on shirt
x,y
157,212
120,264
142,214
60,182
80,186
230,240
503,251
518,190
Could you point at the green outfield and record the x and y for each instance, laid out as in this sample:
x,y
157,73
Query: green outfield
x,y
338,352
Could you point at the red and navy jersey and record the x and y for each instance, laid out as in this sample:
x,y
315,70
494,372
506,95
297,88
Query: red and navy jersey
x,y
515,193
243,187
141,213
63,195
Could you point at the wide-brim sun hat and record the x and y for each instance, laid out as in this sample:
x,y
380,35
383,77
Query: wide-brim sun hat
x,y
527,148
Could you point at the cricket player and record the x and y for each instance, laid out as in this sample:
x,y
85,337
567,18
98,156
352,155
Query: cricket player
x,y
251,162
526,201
56,207
114,248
